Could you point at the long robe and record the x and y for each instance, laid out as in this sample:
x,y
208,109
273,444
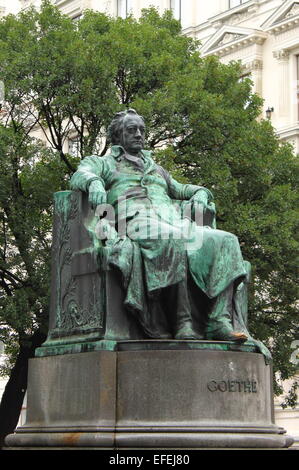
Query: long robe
x,y
157,245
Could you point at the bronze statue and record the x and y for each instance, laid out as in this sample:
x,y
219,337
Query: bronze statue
x,y
182,269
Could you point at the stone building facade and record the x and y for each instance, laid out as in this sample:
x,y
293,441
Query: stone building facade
x,y
262,34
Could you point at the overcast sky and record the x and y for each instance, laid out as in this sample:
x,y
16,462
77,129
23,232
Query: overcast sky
x,y
11,6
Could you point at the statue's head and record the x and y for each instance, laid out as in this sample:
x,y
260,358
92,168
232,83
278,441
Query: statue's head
x,y
128,130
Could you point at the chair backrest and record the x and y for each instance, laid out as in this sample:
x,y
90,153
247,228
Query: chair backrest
x,y
77,294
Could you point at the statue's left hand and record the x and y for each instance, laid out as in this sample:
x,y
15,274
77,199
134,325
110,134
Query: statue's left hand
x,y
201,197
200,202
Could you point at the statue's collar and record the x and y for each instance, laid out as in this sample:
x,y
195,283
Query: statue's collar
x,y
117,150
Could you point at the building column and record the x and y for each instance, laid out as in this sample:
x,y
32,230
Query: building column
x,y
282,57
256,72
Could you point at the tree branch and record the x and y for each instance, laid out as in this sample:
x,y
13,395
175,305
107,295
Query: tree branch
x,y
12,277
5,286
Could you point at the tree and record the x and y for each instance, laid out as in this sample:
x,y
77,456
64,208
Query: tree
x,y
65,79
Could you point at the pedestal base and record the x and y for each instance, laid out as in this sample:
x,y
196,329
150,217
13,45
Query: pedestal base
x,y
146,395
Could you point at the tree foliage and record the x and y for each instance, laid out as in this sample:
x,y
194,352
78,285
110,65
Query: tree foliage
x,y
67,78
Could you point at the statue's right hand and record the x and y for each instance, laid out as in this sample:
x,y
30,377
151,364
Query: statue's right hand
x,y
96,194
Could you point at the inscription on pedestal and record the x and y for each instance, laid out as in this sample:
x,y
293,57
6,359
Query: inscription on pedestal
x,y
247,386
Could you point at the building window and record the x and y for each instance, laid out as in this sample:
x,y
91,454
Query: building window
x,y
176,7
124,8
235,3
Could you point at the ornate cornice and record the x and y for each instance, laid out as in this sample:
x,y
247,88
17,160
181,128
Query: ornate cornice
x,y
285,18
236,42
284,26
235,15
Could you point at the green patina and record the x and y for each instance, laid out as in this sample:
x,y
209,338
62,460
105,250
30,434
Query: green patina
x,y
161,252
53,349
144,345
63,203
159,247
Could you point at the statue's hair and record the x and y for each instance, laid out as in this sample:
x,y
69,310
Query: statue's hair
x,y
116,125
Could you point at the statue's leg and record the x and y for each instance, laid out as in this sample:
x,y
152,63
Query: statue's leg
x,y
180,308
219,325
240,301
157,319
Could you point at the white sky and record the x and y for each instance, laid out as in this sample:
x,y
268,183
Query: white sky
x,y
11,6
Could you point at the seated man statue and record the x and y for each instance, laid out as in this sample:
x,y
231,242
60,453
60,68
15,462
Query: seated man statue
x,y
158,250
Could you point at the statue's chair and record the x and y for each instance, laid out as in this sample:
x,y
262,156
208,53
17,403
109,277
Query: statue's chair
x,y
87,298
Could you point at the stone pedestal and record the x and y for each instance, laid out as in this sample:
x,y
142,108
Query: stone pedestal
x,y
151,394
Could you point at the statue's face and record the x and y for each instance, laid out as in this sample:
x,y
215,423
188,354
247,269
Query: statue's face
x,y
132,135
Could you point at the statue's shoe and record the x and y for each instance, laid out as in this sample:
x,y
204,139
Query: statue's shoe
x,y
187,332
226,334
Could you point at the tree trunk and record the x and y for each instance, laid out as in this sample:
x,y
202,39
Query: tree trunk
x,y
13,396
